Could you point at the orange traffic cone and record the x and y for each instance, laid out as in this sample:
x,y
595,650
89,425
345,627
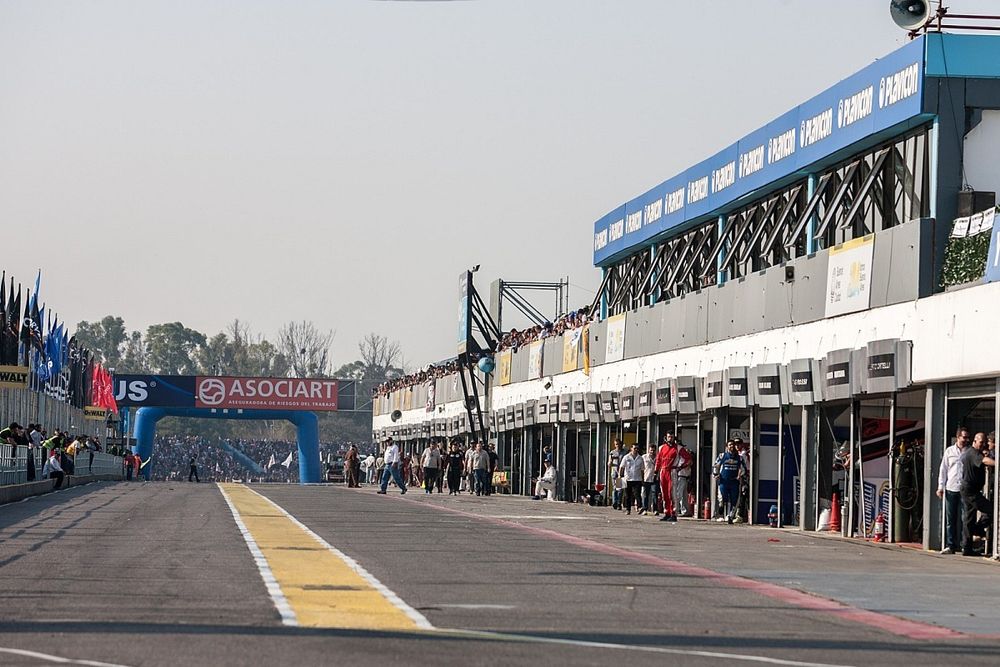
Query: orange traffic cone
x,y
835,514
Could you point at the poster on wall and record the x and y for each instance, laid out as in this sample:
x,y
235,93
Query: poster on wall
x,y
992,273
571,340
506,360
614,349
13,377
535,351
848,280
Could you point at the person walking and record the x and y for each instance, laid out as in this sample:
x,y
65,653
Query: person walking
x,y
950,489
430,460
352,465
632,470
392,468
666,458
491,451
193,471
481,467
973,500
729,468
456,467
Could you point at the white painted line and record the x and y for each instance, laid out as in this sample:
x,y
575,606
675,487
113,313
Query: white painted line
x,y
740,657
412,613
273,589
56,658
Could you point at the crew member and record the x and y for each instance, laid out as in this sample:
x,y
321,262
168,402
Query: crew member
x,y
666,459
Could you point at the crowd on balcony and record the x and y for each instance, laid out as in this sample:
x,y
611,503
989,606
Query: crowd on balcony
x,y
432,372
575,319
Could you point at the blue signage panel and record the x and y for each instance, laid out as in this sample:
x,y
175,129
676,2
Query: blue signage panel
x,y
136,391
884,94
609,234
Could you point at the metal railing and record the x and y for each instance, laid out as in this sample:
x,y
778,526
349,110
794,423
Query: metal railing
x,y
14,466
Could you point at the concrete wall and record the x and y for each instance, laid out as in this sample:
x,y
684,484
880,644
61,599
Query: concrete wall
x,y
763,301
14,492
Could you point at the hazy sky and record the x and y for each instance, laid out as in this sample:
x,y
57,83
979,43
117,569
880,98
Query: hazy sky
x,y
342,161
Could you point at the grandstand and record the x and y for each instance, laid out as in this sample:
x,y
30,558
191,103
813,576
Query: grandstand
x,y
820,287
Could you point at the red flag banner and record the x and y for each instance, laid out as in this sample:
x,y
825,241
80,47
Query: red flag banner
x,y
266,393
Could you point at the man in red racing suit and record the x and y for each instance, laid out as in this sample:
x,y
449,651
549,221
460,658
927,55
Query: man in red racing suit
x,y
666,460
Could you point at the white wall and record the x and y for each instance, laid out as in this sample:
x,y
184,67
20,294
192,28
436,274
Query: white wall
x,y
982,169
954,336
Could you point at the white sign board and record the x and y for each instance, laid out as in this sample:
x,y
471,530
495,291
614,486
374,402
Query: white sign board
x,y
614,349
535,360
849,276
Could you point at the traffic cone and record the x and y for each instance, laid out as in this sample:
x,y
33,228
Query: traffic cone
x,y
835,514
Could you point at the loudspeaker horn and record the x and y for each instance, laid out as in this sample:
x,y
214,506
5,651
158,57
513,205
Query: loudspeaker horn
x,y
909,14
396,415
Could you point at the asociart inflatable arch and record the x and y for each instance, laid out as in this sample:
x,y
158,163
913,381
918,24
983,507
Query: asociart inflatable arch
x,y
306,425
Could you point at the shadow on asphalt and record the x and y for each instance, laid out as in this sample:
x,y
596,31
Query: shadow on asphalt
x,y
49,519
927,649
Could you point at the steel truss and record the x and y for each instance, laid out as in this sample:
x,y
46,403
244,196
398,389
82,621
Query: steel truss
x,y
867,193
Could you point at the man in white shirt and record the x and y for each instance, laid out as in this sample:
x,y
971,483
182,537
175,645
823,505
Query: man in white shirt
x,y
632,469
368,465
430,461
392,463
546,483
53,469
949,488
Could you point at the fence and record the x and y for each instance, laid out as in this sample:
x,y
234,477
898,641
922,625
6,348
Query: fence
x,y
14,467
31,407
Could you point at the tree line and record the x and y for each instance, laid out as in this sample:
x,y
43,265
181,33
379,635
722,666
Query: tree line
x,y
301,349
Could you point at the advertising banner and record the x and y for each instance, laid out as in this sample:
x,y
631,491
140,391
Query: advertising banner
x,y
251,393
94,413
13,377
506,359
993,258
464,308
136,391
535,356
886,94
570,342
614,349
849,273
266,393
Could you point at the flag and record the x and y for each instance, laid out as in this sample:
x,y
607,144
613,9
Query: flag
x,y
26,326
13,323
271,462
3,319
288,461
585,337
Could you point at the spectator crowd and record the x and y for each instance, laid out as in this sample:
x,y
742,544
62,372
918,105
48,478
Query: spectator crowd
x,y
432,372
572,320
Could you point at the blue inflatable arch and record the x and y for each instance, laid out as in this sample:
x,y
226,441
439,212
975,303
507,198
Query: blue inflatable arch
x,y
306,425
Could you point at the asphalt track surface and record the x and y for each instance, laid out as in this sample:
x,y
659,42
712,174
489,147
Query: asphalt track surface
x,y
160,574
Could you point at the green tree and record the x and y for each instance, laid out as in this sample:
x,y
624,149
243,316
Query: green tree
x,y
106,339
134,358
172,348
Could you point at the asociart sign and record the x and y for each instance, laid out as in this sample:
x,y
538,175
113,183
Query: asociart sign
x,y
251,393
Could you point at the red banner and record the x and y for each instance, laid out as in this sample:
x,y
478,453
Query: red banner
x,y
265,393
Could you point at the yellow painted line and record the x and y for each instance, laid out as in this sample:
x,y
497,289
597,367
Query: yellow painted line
x,y
323,587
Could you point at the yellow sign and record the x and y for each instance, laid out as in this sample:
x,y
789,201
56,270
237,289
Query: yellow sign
x,y
570,340
585,344
506,360
94,413
13,377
